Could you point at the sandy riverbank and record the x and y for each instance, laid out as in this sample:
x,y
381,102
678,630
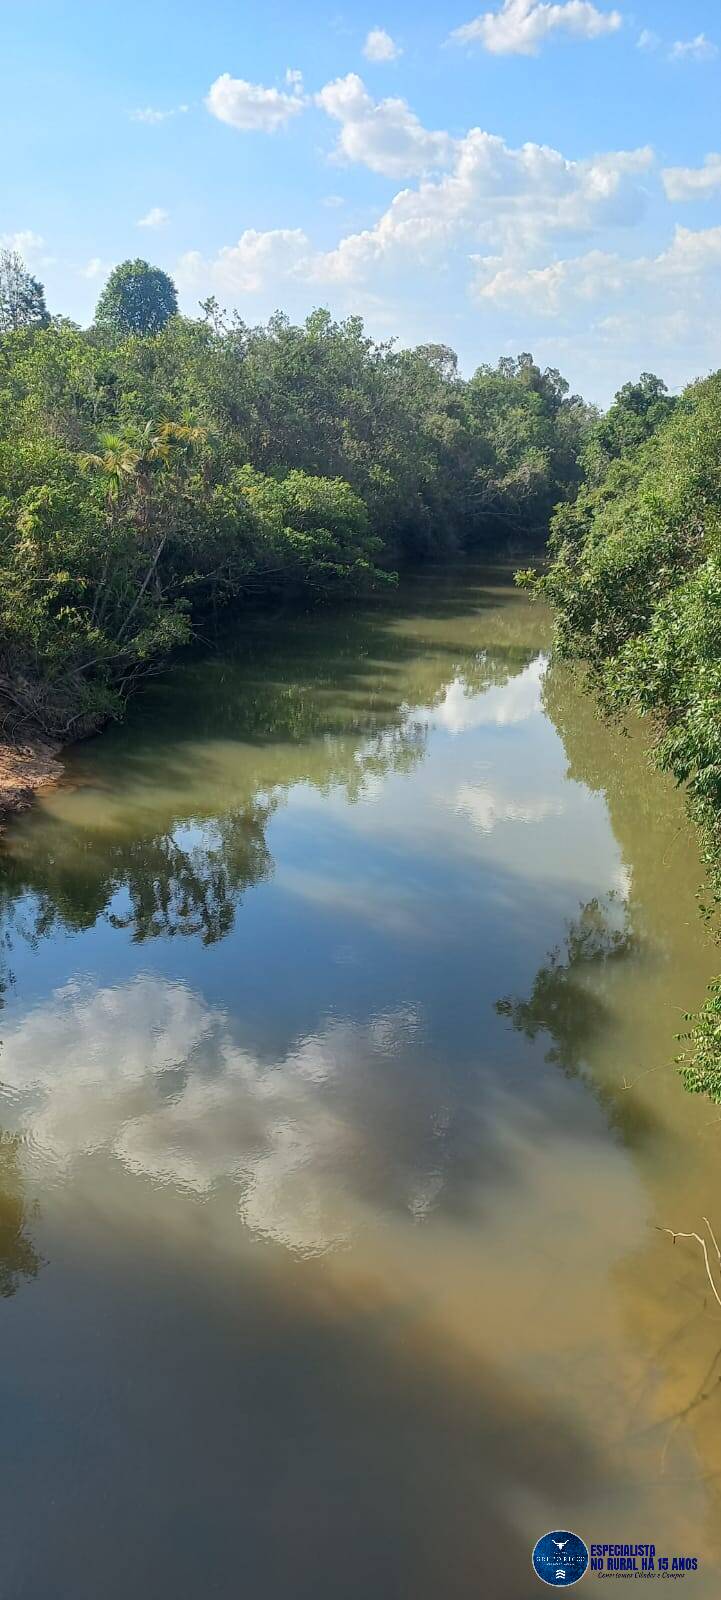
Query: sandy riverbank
x,y
24,768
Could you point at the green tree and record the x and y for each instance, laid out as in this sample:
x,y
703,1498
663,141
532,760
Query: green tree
x,y
137,299
638,410
22,297
528,434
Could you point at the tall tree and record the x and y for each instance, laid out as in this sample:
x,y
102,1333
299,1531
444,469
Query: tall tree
x,y
137,298
22,297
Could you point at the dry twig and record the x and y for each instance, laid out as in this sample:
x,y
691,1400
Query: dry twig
x,y
675,1234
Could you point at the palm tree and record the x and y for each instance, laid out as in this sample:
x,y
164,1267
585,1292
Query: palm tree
x,y
132,456
117,464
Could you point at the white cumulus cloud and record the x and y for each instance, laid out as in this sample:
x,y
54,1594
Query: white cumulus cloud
x,y
152,116
250,107
154,218
691,253
698,49
509,196
521,27
693,183
513,200
379,46
257,260
684,270
548,289
25,242
94,268
384,135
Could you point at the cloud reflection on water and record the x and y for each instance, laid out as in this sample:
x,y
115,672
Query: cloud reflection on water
x,y
150,1073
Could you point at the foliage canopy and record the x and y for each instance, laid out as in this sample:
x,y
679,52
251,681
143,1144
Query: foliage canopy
x,y
137,298
156,466
22,298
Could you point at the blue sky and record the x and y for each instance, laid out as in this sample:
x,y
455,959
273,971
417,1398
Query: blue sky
x,y
525,175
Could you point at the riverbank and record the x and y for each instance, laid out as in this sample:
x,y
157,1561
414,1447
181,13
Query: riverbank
x,y
635,580
24,768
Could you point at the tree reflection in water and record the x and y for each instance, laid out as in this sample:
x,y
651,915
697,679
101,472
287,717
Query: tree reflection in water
x,y
18,1257
179,799
567,1001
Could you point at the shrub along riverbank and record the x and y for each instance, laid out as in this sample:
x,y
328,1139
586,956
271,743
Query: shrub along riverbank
x,y
635,578
155,467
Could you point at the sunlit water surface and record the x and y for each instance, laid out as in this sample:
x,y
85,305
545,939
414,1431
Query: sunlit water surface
x,y
340,993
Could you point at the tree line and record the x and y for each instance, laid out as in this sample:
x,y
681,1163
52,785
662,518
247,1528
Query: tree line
x,y
635,578
155,467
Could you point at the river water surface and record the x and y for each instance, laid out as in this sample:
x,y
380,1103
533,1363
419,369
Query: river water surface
x,y
340,992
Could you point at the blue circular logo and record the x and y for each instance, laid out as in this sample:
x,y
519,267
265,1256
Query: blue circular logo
x,y
560,1559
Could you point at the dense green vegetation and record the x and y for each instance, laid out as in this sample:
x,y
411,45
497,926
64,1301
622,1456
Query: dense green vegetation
x,y
155,467
636,582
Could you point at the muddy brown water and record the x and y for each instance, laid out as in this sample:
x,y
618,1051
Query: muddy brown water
x,y
341,986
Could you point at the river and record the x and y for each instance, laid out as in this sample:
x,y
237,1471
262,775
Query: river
x,y
341,986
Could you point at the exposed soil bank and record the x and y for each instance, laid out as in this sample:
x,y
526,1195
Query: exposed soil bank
x,y
24,768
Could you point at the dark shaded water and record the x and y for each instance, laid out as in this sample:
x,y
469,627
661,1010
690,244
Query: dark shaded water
x,y
340,989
